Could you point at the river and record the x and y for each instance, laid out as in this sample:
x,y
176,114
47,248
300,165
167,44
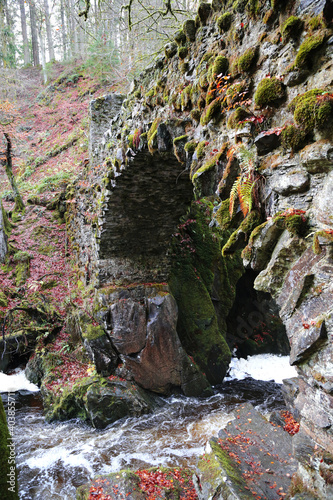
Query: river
x,y
54,459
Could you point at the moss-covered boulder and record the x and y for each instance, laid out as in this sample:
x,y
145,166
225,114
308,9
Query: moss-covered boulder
x,y
269,92
203,284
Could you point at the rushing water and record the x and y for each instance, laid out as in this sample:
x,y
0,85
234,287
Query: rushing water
x,y
54,459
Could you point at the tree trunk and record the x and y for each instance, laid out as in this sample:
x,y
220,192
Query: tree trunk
x,y
24,34
34,36
42,51
63,29
19,205
49,31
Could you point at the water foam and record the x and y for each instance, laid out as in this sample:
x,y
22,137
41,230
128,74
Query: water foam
x,y
262,367
17,381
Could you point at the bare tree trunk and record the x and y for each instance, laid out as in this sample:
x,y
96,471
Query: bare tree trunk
x,y
24,34
49,30
42,51
73,29
34,36
3,40
19,205
63,29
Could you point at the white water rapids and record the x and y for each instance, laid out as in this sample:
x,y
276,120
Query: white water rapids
x,y
54,459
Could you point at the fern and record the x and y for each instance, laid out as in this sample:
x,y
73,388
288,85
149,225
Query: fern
x,y
245,185
245,194
234,194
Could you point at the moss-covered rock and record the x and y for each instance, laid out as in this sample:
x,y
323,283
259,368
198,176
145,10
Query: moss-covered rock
x,y
182,52
212,111
246,61
198,271
180,38
220,66
293,138
313,109
170,49
8,474
306,52
239,238
292,28
224,22
238,115
269,92
189,28
204,11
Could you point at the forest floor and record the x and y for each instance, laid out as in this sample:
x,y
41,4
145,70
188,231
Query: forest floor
x,y
39,280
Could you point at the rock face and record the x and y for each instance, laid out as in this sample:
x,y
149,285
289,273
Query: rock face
x,y
224,471
254,136
141,323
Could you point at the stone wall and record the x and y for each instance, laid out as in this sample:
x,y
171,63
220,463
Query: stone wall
x,y
244,95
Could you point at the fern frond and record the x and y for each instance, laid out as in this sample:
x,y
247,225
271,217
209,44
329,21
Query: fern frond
x,y
245,194
234,194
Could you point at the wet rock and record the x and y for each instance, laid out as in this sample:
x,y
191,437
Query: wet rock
x,y
265,143
286,251
160,365
241,463
317,157
263,244
128,319
296,77
307,342
291,182
166,483
102,354
323,202
107,403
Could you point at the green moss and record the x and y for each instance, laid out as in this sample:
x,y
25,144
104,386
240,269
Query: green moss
x,y
238,115
196,114
186,97
153,128
247,61
190,146
209,165
196,267
253,7
292,28
8,474
224,22
170,49
189,28
181,138
6,224
183,67
239,6
314,23
182,52
3,299
328,235
293,138
310,110
223,215
204,11
239,237
269,92
200,150
220,66
211,111
91,332
180,38
306,52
